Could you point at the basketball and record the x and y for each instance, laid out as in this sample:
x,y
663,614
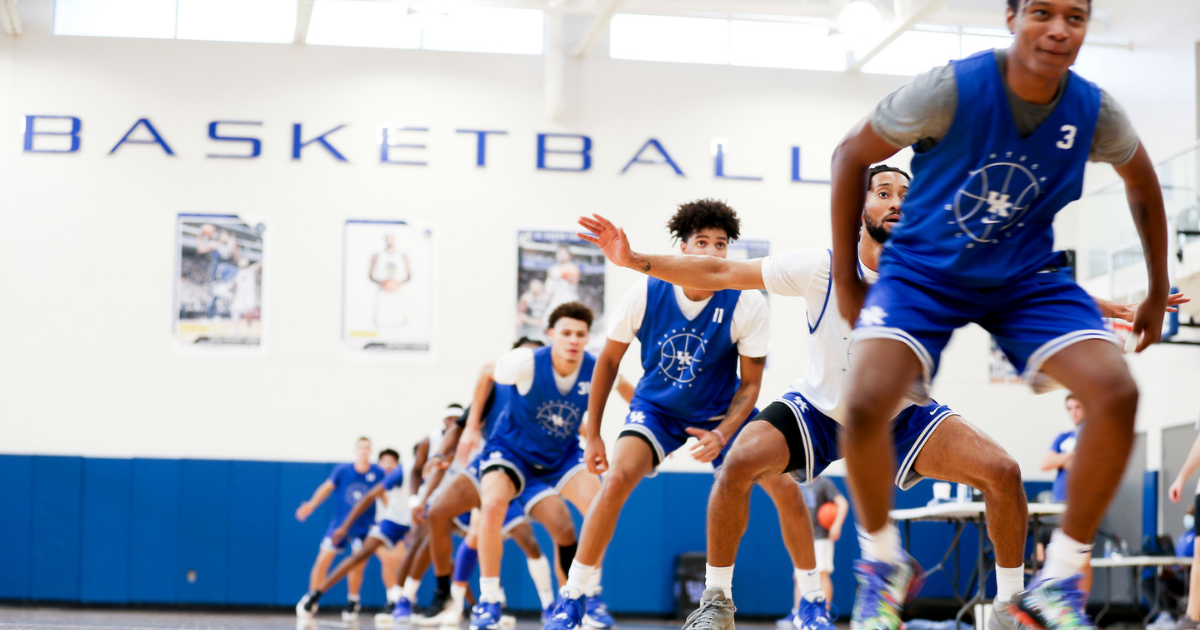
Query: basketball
x,y
826,515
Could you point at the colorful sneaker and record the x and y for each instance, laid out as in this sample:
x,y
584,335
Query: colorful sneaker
x,y
715,612
402,613
788,622
567,614
353,607
1052,605
596,613
548,611
307,606
882,590
1001,619
812,615
485,616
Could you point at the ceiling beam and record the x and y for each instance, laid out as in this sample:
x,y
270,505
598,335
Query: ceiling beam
x,y
597,28
922,13
304,9
10,19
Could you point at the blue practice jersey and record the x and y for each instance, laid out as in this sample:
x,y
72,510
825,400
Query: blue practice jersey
x,y
543,424
690,365
1064,443
981,207
349,487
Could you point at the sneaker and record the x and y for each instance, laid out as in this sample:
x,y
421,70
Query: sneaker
x,y
432,616
881,593
715,612
548,611
788,622
567,614
508,622
452,617
812,615
402,612
384,619
485,616
596,613
1052,604
1164,621
353,607
307,607
1001,619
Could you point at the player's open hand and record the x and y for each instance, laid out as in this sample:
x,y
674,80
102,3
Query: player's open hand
x,y
1173,302
708,445
1148,320
609,238
438,461
418,514
851,295
303,512
596,456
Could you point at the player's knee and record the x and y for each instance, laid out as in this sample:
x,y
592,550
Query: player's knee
x,y
1002,474
620,483
1116,398
865,410
739,470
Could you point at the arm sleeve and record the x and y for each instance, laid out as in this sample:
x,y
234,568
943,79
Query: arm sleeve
x,y
751,325
921,110
514,367
792,273
1114,140
624,324
394,478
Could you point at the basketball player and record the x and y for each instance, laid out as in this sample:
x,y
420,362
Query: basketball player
x,y
693,342
383,536
798,431
390,271
1001,140
533,457
562,280
351,482
818,493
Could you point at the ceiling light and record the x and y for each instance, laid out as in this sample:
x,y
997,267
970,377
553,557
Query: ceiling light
x,y
859,18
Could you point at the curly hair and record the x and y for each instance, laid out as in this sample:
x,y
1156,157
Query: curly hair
x,y
572,310
694,216
526,340
884,168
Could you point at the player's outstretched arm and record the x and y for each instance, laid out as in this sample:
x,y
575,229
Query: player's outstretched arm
x,y
853,157
323,491
472,434
1190,465
362,506
1150,216
420,459
706,273
603,377
1117,310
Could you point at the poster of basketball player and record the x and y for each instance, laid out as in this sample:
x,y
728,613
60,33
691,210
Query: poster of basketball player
x,y
219,281
388,290
554,267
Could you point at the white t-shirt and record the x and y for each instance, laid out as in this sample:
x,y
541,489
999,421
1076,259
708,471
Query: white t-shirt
x,y
397,510
808,273
516,367
750,328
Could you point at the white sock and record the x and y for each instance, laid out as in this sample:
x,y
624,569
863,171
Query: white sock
x,y
458,592
352,598
719,577
577,580
539,570
880,546
1009,582
489,590
1065,556
411,586
593,586
394,593
809,583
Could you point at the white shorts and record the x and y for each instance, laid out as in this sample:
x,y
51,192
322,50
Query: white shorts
x,y
824,549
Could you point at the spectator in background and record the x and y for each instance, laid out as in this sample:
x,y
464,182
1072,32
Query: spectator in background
x,y
817,493
1175,493
1060,458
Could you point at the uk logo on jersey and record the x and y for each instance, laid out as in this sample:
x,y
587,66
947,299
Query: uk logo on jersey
x,y
871,316
637,417
995,199
559,419
680,356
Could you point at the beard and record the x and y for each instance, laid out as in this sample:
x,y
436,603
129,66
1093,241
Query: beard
x,y
876,231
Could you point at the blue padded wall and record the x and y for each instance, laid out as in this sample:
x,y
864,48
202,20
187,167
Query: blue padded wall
x,y
121,530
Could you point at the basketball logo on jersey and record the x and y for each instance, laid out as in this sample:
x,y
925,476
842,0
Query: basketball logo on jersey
x,y
680,355
355,492
995,199
560,419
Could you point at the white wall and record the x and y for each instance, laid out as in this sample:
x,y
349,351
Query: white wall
x,y
86,240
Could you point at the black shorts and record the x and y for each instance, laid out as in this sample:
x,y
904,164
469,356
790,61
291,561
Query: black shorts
x,y
780,416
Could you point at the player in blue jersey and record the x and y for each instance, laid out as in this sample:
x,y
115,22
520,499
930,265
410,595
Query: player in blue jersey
x,y
384,535
533,456
693,343
1001,139
347,484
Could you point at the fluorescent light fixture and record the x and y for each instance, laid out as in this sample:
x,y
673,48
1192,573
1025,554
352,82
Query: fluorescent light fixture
x,y
859,18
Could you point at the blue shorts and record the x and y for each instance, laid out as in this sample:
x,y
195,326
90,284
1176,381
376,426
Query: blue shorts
x,y
355,541
818,436
533,482
515,516
666,433
388,532
1031,319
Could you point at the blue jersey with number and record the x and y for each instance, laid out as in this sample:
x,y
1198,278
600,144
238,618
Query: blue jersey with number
x,y
350,486
543,424
690,365
980,210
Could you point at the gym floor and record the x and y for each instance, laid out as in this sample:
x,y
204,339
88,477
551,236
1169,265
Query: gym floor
x,y
119,619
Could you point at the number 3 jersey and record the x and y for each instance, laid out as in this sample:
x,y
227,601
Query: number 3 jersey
x,y
541,422
980,210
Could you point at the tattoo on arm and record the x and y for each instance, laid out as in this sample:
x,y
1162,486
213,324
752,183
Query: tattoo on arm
x,y
643,265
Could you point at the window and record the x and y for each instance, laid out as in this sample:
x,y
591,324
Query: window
x,y
270,21
915,52
662,38
513,31
783,45
363,23
392,25
115,18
